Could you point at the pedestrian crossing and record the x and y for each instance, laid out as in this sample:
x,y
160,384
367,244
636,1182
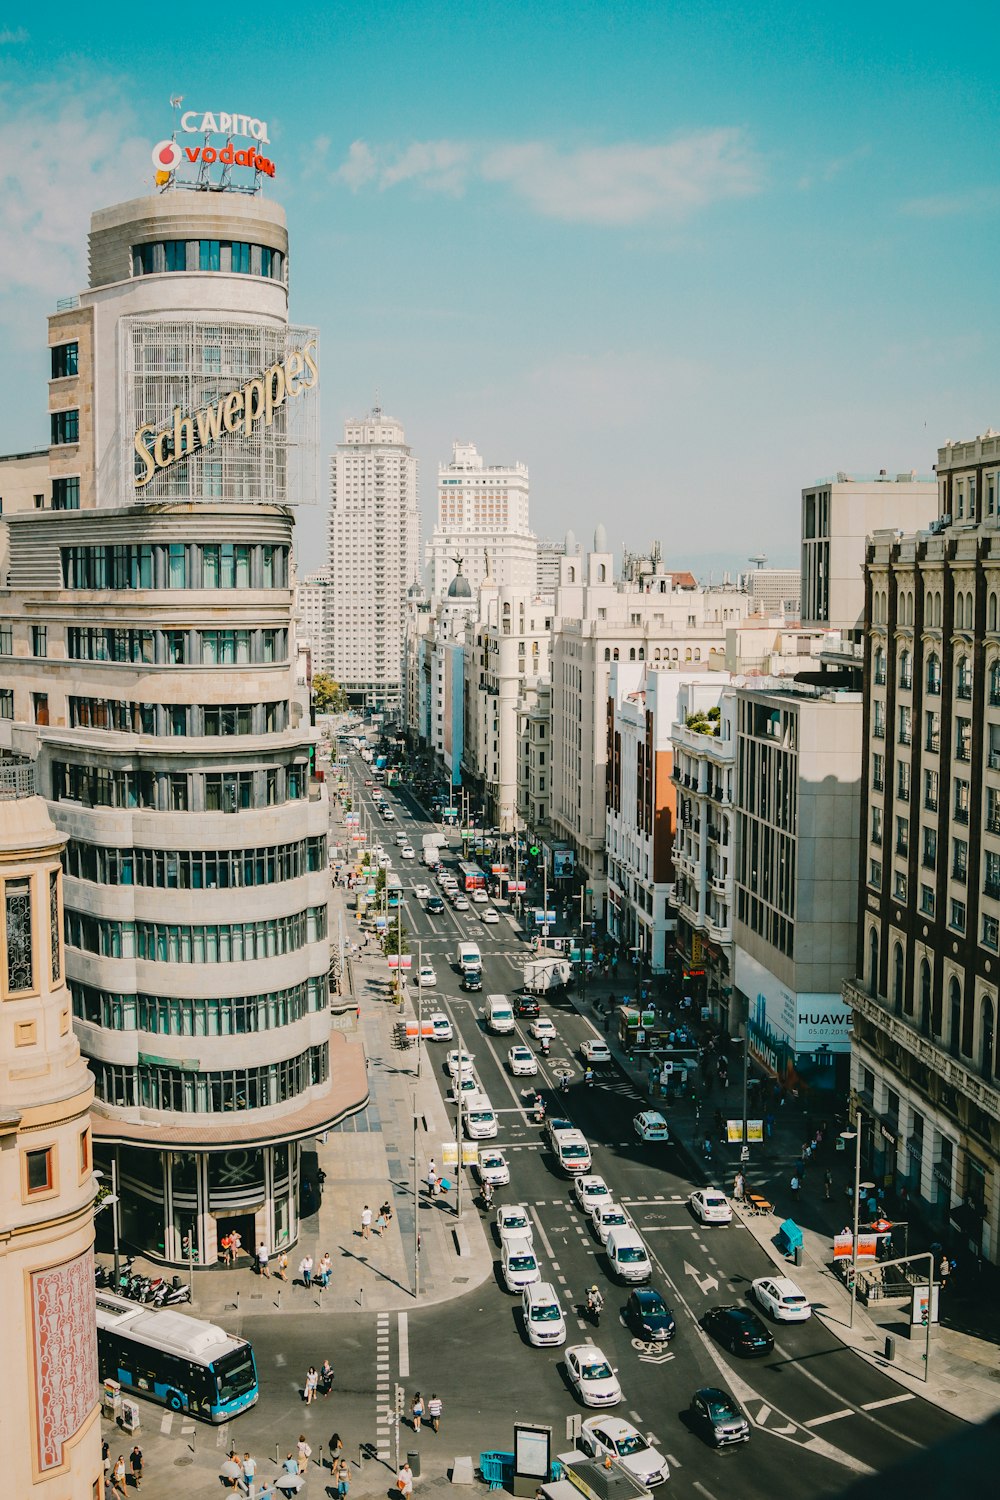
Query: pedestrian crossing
x,y
383,1389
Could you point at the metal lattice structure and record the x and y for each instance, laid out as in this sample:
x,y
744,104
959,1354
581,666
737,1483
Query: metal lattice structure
x,y
193,364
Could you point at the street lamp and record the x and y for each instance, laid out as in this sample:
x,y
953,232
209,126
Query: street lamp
x,y
111,1201
855,1135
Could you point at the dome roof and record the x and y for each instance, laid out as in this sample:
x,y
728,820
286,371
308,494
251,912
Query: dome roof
x,y
459,587
570,543
415,590
600,538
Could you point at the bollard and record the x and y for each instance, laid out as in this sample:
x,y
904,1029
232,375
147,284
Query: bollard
x,y
798,1255
890,1346
361,1297
413,1459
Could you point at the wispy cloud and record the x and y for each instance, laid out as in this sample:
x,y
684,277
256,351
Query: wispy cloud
x,y
973,200
829,171
60,157
629,183
13,36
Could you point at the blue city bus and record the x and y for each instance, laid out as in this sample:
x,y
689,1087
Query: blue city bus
x,y
167,1356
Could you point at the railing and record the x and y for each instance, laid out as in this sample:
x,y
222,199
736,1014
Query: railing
x,y
17,779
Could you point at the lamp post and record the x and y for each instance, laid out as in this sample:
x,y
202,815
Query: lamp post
x,y
416,1201
847,1135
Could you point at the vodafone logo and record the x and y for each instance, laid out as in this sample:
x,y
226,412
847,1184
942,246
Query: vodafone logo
x,y
167,156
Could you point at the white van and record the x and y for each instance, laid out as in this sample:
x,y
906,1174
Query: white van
x,y
480,1118
627,1255
543,1317
572,1152
468,956
499,1013
519,1265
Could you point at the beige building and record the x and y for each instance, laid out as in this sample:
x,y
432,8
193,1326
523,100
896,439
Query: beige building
x,y
24,485
48,1379
483,520
149,669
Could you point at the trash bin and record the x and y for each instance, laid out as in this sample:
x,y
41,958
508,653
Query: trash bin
x,y
413,1459
890,1346
798,1255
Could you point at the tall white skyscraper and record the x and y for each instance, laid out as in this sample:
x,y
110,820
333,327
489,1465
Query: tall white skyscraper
x,y
374,557
482,511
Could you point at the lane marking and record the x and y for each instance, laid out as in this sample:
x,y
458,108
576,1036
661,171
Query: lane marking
x,y
702,1490
833,1416
546,1242
404,1345
888,1401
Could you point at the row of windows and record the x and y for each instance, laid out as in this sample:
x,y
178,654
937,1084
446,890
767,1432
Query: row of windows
x,y
177,565
215,943
234,256
234,1015
963,616
963,674
178,791
208,648
210,1093
184,719
196,870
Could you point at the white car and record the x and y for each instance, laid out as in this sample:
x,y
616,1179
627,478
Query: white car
x,y
407,852
427,977
519,1265
402,838
543,1317
442,1031
596,1052
389,815
383,861
522,1061
493,1167
540,1027
592,1375
490,916
422,892
468,1087
711,1206
480,897
460,902
589,1189
455,1063
651,1126
605,1216
782,1299
513,1223
602,1435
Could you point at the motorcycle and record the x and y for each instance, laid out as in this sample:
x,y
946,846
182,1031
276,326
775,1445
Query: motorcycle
x,y
592,1308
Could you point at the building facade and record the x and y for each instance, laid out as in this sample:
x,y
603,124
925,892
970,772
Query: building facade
x,y
926,1067
149,671
483,520
48,1381
374,557
312,615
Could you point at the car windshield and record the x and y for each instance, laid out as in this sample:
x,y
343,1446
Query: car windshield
x,y
793,1299
632,1443
515,1221
614,1217
631,1253
522,1262
573,1151
598,1190
721,1410
596,1370
493,1161
481,1115
653,1307
548,1312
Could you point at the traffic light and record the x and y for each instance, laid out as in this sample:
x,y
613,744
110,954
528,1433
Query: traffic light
x,y
400,1400
534,851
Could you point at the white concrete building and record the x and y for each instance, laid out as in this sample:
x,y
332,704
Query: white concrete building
x,y
374,557
312,610
547,571
482,515
535,759
774,592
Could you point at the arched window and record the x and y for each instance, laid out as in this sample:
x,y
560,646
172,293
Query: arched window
x,y
879,666
615,654
607,653
571,574
986,1038
897,978
934,674
687,654
995,683
602,573
925,997
656,654
642,653
955,1016
991,613
674,653
873,963
938,608
906,670
963,678
697,653
631,653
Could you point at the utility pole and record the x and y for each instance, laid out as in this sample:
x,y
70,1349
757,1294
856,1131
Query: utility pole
x,y
857,1206
458,1127
420,1003
416,1202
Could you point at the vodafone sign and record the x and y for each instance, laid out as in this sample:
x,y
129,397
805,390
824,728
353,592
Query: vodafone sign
x,y
167,156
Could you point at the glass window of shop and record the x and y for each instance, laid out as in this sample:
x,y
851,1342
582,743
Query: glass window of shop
x,y
140,1188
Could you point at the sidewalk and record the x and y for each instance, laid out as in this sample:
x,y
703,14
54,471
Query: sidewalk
x,y
964,1367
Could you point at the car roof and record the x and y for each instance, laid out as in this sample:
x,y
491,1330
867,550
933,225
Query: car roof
x,y
616,1427
784,1285
519,1247
542,1291
647,1294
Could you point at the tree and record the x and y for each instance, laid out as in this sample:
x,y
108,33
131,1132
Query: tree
x,y
328,696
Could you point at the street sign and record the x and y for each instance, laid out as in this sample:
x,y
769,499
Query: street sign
x,y
449,812
517,885
543,916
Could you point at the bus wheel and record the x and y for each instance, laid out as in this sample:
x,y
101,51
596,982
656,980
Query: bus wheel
x,y
174,1402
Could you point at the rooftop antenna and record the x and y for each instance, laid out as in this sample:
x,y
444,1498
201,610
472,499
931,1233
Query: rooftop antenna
x,y
759,558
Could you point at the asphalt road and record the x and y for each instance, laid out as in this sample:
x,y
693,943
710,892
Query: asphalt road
x,y
820,1415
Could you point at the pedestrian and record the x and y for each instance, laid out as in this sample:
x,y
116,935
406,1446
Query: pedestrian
x,y
306,1270
404,1481
794,1185
434,1408
118,1477
310,1384
336,1446
235,1244
769,1124
249,1474
135,1464
263,1256
281,1266
325,1378
416,1411
106,1463
944,1271
343,1477
827,1184
226,1246
324,1270
366,1222
290,1465
381,1224
739,1187
305,1453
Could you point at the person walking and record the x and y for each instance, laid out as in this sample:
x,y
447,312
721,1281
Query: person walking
x,y
739,1187
336,1446
324,1271
135,1464
235,1244
794,1186
310,1385
118,1477
263,1256
306,1270
249,1474
431,1177
281,1266
366,1222
827,1184
434,1409
226,1246
342,1474
325,1378
304,1453
416,1411
404,1481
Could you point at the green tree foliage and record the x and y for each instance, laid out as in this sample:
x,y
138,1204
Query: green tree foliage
x,y
328,696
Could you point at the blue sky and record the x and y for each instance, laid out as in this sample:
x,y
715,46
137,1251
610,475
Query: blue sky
x,y
681,259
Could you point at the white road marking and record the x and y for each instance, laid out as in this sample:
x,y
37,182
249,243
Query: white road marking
x,y
404,1345
635,1418
546,1242
833,1416
762,1415
166,1423
888,1401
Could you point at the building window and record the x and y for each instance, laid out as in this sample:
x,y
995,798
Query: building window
x,y
902,835
959,860
991,933
39,640
18,936
905,724
928,856
957,918
995,684
38,1173
84,1152
963,738
875,874
927,900
6,703
878,773
66,493
899,886
906,670
934,675
932,731
55,928
65,360
963,678
65,426
876,825
961,800
903,780
878,719
931,791
209,257
879,666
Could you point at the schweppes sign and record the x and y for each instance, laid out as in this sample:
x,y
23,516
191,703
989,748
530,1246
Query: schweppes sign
x,y
240,410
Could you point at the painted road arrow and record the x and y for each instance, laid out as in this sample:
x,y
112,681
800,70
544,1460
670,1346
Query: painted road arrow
x,y
708,1284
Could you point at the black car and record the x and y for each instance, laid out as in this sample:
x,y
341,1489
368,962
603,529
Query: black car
x,y
434,904
472,979
739,1330
718,1417
525,1005
648,1316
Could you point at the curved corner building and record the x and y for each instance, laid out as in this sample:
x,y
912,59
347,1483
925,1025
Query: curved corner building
x,y
146,634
